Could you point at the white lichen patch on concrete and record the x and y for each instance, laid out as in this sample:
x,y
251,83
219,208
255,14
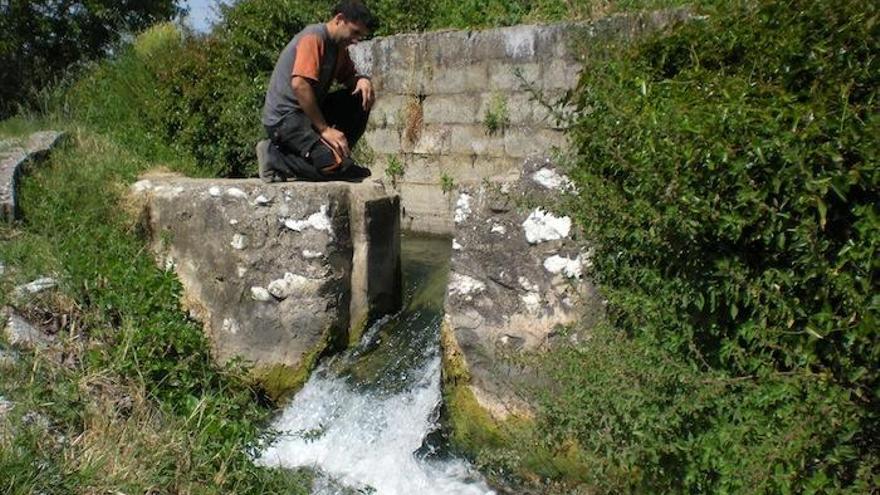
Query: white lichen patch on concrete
x,y
215,191
571,268
239,242
462,208
499,229
234,192
230,326
541,226
166,191
141,186
553,180
455,245
293,284
527,285
532,300
260,294
462,285
311,255
319,221
519,41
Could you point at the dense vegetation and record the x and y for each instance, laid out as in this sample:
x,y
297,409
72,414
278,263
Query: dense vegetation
x,y
41,40
733,202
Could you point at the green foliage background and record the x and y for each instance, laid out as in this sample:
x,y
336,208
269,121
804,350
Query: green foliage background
x,y
40,40
732,179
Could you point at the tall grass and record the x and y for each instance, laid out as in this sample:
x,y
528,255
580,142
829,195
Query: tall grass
x,y
129,399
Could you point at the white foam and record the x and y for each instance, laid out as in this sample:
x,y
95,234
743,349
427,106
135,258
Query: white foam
x,y
367,439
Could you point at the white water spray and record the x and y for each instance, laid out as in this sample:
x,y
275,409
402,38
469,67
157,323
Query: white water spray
x,y
366,434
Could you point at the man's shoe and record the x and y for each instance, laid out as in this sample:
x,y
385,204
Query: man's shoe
x,y
351,171
267,173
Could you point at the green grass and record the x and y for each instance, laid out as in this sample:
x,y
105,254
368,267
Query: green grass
x,y
183,424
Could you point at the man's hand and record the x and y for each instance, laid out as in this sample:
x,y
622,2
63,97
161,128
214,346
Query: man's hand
x,y
336,139
365,87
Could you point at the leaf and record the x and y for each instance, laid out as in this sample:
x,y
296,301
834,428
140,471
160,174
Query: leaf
x,y
823,212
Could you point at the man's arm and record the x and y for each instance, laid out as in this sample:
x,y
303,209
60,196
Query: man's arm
x,y
357,83
305,95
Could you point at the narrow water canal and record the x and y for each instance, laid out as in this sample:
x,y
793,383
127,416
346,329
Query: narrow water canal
x,y
363,417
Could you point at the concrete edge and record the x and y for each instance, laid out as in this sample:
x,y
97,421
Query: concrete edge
x,y
14,164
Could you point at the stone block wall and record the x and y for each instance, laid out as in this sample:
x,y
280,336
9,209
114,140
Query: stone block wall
x,y
438,93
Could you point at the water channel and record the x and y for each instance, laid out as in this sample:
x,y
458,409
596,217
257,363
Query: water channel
x,y
362,420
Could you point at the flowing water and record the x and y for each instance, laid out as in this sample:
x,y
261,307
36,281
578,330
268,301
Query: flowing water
x,y
363,418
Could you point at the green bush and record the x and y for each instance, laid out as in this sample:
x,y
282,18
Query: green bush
x,y
41,39
733,203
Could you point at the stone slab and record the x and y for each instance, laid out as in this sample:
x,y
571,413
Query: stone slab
x,y
272,269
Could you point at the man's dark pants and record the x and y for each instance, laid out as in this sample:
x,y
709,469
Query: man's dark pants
x,y
296,149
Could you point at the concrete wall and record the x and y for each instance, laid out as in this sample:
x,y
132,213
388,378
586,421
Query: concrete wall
x,y
276,272
435,91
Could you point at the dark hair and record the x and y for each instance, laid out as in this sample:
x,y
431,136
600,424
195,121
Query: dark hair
x,y
354,10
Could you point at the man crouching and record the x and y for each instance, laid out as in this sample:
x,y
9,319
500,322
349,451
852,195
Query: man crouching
x,y
311,133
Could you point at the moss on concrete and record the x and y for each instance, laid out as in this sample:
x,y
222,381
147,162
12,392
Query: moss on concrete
x,y
356,331
512,445
471,427
282,381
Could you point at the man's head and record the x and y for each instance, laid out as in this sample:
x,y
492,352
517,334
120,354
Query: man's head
x,y
352,21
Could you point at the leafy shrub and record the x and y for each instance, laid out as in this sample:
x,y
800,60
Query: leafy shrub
x,y
732,171
40,39
497,116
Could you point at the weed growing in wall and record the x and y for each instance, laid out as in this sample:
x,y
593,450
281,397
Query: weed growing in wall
x,y
395,169
497,117
447,183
